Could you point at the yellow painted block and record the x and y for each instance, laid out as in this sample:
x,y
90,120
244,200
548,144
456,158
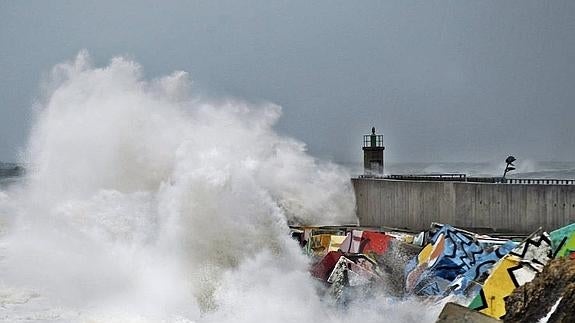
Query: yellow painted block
x,y
335,242
321,244
423,256
498,286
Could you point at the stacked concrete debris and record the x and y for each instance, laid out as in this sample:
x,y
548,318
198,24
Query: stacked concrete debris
x,y
352,268
513,270
551,294
521,266
453,263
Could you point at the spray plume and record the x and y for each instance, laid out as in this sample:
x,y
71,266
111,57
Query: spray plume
x,y
147,204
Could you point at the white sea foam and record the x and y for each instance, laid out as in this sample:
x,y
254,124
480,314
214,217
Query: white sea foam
x,y
147,204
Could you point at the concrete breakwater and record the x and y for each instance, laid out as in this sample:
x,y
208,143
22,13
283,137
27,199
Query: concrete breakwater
x,y
510,208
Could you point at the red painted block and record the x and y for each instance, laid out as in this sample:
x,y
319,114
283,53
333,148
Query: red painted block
x,y
375,242
323,268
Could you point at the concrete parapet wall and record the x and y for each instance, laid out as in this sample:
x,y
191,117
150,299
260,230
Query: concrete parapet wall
x,y
516,208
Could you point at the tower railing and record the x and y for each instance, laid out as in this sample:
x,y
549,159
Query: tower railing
x,y
372,141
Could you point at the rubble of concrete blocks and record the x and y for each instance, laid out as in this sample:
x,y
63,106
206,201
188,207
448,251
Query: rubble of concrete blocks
x,y
348,261
451,261
520,266
443,263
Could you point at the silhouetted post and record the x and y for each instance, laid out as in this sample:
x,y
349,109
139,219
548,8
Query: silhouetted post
x,y
509,166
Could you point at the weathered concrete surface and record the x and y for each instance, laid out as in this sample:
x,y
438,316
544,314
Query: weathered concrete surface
x,y
551,294
517,208
455,313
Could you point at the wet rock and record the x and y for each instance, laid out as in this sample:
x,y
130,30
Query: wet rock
x,y
551,295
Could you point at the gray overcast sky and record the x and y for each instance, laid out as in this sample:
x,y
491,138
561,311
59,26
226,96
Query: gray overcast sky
x,y
444,80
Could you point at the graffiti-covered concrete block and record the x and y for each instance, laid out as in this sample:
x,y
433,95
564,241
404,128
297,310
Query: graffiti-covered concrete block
x,y
513,270
563,241
451,253
478,272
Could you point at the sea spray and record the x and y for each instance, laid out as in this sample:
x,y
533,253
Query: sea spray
x,y
145,203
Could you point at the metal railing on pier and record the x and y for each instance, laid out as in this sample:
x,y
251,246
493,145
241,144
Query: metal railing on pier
x,y
455,177
430,177
539,181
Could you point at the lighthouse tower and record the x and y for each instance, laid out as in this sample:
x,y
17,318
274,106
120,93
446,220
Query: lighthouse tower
x,y
373,154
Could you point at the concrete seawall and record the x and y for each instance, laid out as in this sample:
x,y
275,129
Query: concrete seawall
x,y
516,208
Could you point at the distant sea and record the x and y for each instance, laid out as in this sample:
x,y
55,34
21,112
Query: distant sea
x,y
10,173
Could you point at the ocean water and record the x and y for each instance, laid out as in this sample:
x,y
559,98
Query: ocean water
x,y
145,203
